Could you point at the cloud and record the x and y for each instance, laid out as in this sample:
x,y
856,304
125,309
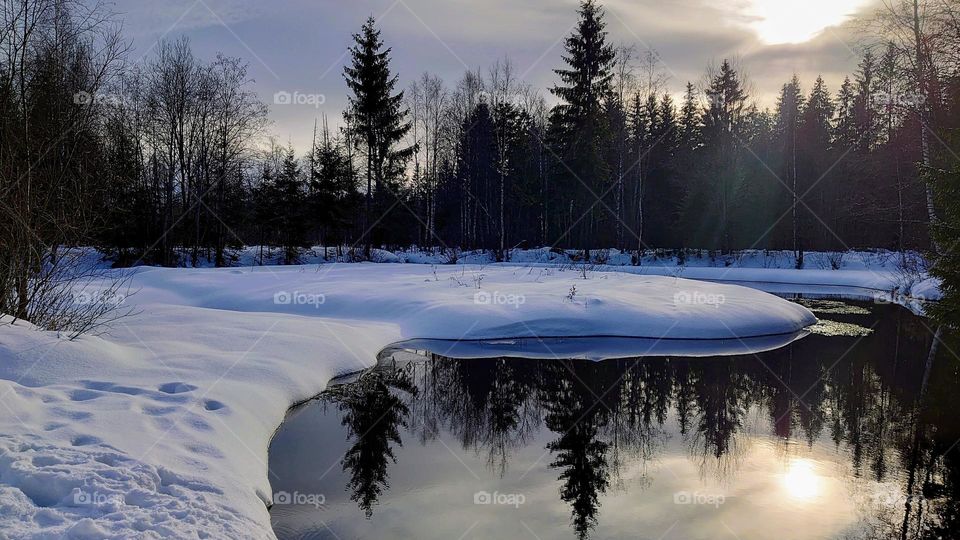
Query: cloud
x,y
300,45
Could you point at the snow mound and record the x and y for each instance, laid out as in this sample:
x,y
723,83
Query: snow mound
x,y
475,302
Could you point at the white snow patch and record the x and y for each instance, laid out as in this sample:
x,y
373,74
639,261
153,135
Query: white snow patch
x,y
161,428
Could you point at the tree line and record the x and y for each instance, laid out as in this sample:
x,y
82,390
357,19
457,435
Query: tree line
x,y
162,161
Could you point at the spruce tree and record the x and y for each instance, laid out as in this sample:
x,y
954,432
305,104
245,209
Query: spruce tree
x,y
477,167
687,160
378,118
789,107
865,119
288,202
580,125
332,191
689,120
844,129
724,123
816,158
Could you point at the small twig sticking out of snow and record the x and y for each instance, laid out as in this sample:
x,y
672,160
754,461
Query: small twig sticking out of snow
x,y
571,296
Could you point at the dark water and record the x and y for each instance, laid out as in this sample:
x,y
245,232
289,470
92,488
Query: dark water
x,y
833,436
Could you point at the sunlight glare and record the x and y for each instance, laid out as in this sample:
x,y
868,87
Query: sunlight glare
x,y
780,22
801,481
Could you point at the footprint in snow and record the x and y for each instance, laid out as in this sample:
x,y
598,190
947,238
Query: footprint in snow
x,y
213,405
84,395
85,440
177,388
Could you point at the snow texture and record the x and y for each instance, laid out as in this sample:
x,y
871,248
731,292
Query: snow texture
x,y
161,427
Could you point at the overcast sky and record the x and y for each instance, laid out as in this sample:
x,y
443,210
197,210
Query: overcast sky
x,y
300,45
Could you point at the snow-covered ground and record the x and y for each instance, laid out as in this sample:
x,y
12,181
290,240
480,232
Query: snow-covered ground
x,y
161,427
875,275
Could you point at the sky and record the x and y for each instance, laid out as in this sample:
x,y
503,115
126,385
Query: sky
x,y
298,47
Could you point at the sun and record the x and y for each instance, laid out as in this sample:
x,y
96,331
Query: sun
x,y
801,480
780,21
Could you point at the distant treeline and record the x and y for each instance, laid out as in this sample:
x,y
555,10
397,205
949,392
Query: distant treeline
x,y
160,161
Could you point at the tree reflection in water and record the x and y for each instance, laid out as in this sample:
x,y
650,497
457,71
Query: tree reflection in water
x,y
862,394
374,410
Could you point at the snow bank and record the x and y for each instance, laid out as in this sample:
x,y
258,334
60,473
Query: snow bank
x,y
869,275
161,428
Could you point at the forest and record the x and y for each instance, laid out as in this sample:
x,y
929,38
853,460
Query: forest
x,y
169,161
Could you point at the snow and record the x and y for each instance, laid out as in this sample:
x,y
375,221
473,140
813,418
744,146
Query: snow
x,y
161,427
871,275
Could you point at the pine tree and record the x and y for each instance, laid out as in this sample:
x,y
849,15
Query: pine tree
x,y
590,60
844,129
689,120
789,108
508,128
864,112
377,116
332,189
724,123
580,126
477,168
688,148
816,158
288,204
662,195
640,129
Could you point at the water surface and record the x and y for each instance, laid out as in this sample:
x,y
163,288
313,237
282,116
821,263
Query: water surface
x,y
832,436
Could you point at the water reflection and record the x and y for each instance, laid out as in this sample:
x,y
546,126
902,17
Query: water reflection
x,y
829,437
374,411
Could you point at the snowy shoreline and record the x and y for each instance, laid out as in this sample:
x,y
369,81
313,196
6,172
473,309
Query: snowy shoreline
x,y
162,427
878,275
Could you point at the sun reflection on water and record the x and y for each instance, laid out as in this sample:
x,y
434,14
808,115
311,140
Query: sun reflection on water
x,y
801,480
